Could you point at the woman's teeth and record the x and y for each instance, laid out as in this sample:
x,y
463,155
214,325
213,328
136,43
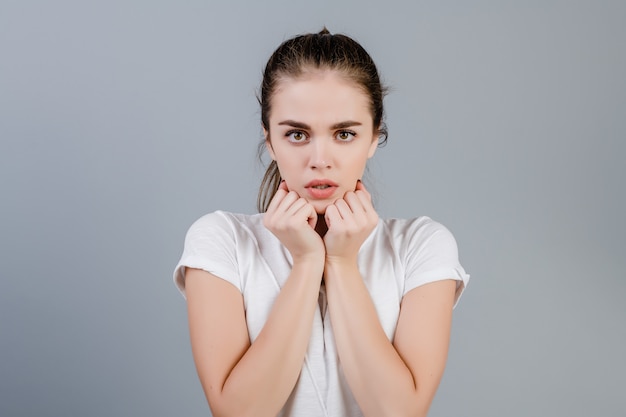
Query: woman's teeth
x,y
321,187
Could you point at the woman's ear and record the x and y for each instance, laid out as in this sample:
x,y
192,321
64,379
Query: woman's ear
x,y
373,146
268,144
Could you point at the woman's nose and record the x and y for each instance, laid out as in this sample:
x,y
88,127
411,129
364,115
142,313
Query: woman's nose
x,y
320,154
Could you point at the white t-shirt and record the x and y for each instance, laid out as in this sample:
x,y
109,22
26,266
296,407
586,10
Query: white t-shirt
x,y
398,256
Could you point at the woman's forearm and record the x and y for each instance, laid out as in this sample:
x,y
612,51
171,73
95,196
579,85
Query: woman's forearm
x,y
381,382
263,378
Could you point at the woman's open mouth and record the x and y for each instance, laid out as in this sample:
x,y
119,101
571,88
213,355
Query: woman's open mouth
x,y
321,189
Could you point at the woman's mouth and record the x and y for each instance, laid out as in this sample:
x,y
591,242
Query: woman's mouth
x,y
321,189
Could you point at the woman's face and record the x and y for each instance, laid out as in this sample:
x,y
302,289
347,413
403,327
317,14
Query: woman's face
x,y
321,136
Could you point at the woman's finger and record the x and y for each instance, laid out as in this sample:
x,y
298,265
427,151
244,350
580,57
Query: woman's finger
x,y
355,203
278,197
331,215
343,209
364,195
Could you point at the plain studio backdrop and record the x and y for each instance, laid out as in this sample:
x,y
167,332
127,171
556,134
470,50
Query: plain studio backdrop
x,y
121,122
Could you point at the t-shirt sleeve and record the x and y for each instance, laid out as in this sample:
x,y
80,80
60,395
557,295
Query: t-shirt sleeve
x,y
432,255
210,245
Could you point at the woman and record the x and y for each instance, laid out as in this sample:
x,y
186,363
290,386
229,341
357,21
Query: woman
x,y
315,307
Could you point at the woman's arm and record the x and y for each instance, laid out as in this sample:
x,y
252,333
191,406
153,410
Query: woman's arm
x,y
398,379
243,379
239,378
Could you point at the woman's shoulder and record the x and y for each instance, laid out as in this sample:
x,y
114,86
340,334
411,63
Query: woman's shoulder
x,y
421,225
428,251
226,227
221,219
419,233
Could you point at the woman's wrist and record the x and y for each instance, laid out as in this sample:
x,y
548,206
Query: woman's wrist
x,y
335,266
312,261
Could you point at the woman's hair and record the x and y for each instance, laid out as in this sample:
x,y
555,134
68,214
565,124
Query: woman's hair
x,y
315,51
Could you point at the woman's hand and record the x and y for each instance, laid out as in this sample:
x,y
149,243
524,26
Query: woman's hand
x,y
292,220
350,221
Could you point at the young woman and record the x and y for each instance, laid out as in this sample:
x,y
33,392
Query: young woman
x,y
315,306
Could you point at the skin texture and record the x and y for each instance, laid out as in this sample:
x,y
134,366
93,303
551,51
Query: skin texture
x,y
322,101
320,129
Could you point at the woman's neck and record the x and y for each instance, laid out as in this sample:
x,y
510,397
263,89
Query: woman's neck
x,y
320,227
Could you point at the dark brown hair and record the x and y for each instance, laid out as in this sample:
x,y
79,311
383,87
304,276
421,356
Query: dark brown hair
x,y
321,50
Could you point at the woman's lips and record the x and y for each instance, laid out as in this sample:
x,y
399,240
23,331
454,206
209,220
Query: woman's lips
x,y
321,193
321,189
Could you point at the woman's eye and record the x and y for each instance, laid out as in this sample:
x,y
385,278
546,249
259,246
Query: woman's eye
x,y
296,136
345,136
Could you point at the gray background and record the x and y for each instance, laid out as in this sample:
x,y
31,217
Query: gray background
x,y
121,122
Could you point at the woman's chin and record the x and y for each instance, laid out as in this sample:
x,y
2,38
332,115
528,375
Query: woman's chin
x,y
320,207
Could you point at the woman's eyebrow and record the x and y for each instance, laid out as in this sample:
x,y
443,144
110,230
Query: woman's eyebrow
x,y
347,123
293,123
304,126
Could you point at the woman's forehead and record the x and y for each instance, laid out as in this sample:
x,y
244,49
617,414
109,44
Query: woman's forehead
x,y
327,96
